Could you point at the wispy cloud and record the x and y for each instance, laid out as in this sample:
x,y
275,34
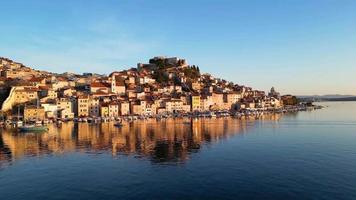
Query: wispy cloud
x,y
100,46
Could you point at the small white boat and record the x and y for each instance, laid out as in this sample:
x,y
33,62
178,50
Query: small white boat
x,y
19,123
212,115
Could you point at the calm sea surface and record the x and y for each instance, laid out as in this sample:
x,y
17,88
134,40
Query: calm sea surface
x,y
305,155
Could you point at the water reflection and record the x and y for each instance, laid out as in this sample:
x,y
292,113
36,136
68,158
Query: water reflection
x,y
164,141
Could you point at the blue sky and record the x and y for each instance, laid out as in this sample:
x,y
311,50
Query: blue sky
x,y
298,46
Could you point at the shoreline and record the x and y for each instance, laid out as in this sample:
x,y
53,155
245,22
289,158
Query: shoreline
x,y
242,114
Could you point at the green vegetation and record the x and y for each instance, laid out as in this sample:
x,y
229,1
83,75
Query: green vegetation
x,y
160,63
160,76
4,94
290,101
192,72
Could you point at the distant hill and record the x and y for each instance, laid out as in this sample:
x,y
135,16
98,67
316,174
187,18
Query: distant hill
x,y
329,97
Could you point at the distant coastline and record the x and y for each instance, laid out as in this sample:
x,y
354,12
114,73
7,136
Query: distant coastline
x,y
328,98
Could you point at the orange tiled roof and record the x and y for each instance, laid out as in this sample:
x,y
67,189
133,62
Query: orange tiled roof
x,y
36,79
43,87
99,84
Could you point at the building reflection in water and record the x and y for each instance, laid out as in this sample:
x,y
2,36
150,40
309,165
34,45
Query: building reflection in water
x,y
163,141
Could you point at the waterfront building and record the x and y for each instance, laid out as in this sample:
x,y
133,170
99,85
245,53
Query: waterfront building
x,y
113,109
124,108
232,97
174,105
94,107
218,100
104,110
136,108
65,108
34,113
196,104
83,106
50,109
206,102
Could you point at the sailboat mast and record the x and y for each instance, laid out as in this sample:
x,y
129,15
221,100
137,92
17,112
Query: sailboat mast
x,y
37,109
18,113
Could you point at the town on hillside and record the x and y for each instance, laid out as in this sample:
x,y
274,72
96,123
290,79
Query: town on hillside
x,y
164,87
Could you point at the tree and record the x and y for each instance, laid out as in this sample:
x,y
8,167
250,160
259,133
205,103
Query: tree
x,y
176,81
160,76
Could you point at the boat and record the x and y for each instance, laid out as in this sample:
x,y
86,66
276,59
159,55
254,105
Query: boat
x,y
32,128
89,120
118,124
212,115
19,123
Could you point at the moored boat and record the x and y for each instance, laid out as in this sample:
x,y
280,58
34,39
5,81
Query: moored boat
x,y
118,125
89,120
19,123
32,128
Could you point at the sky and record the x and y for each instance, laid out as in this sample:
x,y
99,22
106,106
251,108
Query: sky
x,y
301,47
